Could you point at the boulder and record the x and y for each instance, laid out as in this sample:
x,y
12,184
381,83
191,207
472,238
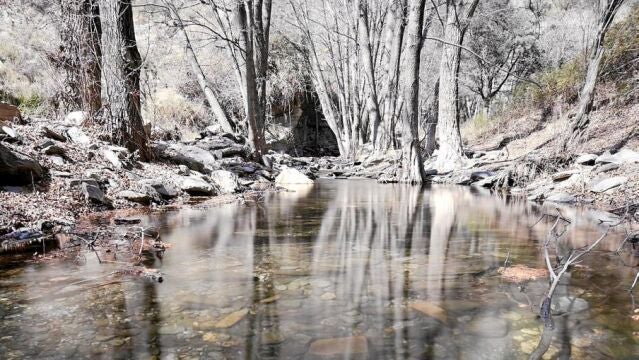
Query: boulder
x,y
112,157
608,184
195,158
623,156
17,168
76,118
9,113
226,181
291,176
586,159
196,186
165,189
94,193
78,136
134,196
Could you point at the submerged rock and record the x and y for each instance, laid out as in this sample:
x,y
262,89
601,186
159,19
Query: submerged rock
x,y
489,327
231,319
354,347
570,304
430,309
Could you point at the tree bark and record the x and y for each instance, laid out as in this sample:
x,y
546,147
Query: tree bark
x,y
412,164
80,34
121,63
581,121
450,155
253,26
430,127
372,101
392,105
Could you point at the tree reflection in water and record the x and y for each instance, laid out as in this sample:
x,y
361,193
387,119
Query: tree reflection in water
x,y
354,269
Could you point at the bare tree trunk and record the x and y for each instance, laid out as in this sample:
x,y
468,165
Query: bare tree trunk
x,y
205,85
81,45
246,39
392,105
121,77
430,127
451,154
579,124
412,165
254,22
372,101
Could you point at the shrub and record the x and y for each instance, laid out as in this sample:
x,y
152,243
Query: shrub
x,y
168,111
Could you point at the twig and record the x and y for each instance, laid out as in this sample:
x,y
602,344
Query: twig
x,y
634,282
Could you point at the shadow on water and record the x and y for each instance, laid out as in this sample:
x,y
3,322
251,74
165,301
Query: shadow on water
x,y
348,269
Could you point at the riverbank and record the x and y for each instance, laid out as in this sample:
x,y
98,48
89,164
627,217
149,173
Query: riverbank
x,y
57,175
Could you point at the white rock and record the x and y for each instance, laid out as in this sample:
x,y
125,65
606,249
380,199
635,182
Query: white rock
x,y
113,158
196,186
9,131
291,176
226,181
76,118
623,156
610,183
78,136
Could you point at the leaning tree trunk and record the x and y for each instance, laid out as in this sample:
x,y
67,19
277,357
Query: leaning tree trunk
x,y
412,165
80,34
121,63
451,154
579,124
221,116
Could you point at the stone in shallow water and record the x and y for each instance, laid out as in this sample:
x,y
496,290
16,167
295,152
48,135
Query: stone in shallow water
x,y
355,347
231,319
219,339
272,337
569,304
430,309
328,296
489,327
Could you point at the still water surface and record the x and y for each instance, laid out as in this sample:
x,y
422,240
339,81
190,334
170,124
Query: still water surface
x,y
345,269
